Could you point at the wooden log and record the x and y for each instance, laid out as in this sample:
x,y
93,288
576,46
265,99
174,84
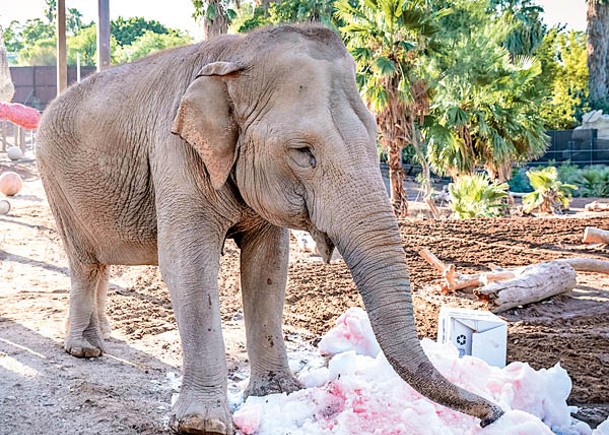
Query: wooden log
x,y
530,284
432,208
432,259
587,264
597,206
452,280
595,235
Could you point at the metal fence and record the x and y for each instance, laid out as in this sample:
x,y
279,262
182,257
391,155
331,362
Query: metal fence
x,y
579,147
36,86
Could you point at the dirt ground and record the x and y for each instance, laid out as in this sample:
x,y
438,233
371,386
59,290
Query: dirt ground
x,y
129,390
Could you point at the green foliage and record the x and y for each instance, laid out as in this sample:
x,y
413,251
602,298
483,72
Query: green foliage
x,y
126,31
550,195
519,182
475,195
527,31
563,56
209,10
43,52
250,16
150,42
302,11
569,174
484,111
594,181
130,38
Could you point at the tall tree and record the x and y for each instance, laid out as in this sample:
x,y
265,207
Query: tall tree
x,y
128,30
485,110
598,53
387,39
216,16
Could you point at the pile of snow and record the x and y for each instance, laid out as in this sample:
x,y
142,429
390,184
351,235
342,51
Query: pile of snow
x,y
358,392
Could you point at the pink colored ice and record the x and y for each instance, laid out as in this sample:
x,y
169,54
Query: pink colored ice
x,y
23,116
358,392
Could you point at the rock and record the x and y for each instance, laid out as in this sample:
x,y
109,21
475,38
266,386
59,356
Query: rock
x,y
592,116
14,153
10,183
594,119
5,207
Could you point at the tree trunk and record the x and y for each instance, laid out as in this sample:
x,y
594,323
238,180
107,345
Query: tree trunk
x,y
531,284
598,51
399,200
218,25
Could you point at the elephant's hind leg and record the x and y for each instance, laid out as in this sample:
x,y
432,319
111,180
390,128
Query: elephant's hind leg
x,y
84,334
264,266
101,294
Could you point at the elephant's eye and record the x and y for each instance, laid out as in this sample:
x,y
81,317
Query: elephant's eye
x,y
303,156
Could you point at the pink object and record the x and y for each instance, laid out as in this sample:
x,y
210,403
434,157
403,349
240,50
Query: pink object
x,y
23,116
10,183
358,392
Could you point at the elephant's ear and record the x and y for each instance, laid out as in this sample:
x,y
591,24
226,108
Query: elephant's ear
x,y
205,120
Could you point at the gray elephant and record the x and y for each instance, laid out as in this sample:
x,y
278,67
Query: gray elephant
x,y
242,137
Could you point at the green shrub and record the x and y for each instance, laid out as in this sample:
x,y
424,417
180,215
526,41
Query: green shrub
x,y
474,196
519,181
569,174
594,181
550,195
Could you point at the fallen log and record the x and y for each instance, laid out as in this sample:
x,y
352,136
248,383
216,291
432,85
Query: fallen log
x,y
457,281
595,235
597,206
587,264
452,280
530,284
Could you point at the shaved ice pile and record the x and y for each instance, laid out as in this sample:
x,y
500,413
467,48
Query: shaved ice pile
x,y
357,392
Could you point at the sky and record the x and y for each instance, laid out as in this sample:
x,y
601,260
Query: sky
x,y
178,13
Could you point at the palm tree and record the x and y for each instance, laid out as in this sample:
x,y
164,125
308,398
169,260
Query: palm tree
x,y
485,107
387,39
527,31
598,47
215,14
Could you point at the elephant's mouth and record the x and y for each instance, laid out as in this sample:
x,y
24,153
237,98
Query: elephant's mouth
x,y
325,246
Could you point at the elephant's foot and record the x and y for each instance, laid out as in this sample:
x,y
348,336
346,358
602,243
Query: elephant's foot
x,y
196,416
271,382
85,344
82,348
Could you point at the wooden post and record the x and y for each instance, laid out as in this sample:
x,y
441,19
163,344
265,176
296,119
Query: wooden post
x,y
103,34
62,59
21,141
3,128
595,235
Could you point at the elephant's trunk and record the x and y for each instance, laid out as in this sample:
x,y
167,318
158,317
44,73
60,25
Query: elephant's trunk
x,y
373,251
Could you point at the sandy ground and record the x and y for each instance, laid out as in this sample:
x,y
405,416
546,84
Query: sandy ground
x,y
128,391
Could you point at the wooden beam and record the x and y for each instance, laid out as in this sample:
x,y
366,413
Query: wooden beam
x,y
62,58
103,34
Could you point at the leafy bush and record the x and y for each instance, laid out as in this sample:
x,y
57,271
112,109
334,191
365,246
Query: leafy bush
x,y
475,195
550,194
569,174
519,181
594,181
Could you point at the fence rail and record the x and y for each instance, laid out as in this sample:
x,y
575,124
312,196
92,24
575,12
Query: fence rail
x,y
578,147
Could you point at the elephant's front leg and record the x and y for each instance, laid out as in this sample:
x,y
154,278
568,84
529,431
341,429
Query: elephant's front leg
x,y
264,265
189,254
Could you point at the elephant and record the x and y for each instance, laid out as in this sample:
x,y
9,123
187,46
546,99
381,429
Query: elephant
x,y
240,137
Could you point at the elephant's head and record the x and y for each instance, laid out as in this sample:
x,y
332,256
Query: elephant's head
x,y
282,115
